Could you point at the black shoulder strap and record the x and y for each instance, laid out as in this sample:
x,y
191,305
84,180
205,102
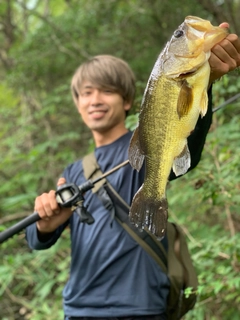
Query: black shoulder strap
x,y
113,201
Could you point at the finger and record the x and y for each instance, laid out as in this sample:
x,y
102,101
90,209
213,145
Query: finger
x,y
224,25
46,205
224,57
53,203
218,62
231,45
38,207
228,52
234,48
229,48
61,181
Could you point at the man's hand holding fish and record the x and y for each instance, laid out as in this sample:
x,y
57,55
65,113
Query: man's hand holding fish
x,y
197,54
225,56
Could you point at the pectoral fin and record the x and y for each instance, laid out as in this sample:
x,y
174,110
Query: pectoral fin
x,y
185,99
182,162
204,103
136,158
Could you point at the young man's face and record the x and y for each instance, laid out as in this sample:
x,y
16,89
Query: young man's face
x,y
101,109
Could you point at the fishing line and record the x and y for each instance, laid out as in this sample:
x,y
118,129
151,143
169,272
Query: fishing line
x,y
227,102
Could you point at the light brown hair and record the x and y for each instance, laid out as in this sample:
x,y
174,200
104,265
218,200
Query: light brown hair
x,y
105,71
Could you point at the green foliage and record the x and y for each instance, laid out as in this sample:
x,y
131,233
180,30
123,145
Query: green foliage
x,y
27,278
43,42
208,205
131,121
218,264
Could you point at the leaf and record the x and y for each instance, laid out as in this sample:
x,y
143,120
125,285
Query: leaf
x,y
46,289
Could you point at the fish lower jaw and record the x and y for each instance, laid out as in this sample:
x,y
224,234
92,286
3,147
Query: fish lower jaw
x,y
180,76
187,74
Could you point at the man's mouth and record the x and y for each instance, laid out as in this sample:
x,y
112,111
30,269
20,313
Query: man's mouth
x,y
97,114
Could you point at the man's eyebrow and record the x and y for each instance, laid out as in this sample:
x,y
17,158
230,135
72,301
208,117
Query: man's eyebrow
x,y
87,87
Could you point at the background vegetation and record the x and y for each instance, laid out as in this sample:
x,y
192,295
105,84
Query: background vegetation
x,y
42,43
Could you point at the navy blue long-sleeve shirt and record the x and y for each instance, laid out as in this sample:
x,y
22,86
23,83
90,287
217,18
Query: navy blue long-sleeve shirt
x,y
110,274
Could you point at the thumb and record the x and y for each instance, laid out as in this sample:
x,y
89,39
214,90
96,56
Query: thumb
x,y
61,181
224,25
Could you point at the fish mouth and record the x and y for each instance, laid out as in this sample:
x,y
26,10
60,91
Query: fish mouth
x,y
184,75
205,30
187,74
213,37
189,50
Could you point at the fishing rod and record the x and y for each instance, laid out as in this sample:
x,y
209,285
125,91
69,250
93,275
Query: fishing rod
x,y
68,195
71,196
227,102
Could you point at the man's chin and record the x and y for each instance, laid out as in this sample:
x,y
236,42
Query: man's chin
x,y
100,128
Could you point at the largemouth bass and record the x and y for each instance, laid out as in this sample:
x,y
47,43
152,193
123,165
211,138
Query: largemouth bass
x,y
175,96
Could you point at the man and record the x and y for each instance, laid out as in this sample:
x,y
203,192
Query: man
x,y
111,276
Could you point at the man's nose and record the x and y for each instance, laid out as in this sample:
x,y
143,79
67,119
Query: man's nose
x,y
96,98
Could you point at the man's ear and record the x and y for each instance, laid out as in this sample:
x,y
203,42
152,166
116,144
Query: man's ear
x,y
127,105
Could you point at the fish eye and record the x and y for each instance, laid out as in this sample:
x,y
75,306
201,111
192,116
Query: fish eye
x,y
178,33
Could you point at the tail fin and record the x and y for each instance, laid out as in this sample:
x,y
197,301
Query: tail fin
x,y
149,212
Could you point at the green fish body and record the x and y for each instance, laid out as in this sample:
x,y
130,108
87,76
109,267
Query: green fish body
x,y
175,96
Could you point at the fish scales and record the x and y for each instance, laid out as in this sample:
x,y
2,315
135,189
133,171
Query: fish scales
x,y
157,137
175,96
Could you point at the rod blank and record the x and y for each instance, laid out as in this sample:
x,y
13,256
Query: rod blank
x,y
16,228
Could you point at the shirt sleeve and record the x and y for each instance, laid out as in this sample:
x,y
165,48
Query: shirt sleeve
x,y
40,242
197,139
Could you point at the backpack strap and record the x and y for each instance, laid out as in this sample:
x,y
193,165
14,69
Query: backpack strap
x,y
112,201
92,170
143,237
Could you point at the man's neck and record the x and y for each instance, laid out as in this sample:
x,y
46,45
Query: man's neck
x,y
102,139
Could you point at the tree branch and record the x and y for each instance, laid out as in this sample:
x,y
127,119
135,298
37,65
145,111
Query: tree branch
x,y
55,28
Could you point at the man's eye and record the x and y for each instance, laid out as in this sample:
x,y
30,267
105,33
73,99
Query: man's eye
x,y
86,93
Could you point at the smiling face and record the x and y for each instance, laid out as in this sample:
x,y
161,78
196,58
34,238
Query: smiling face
x,y
103,111
103,89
